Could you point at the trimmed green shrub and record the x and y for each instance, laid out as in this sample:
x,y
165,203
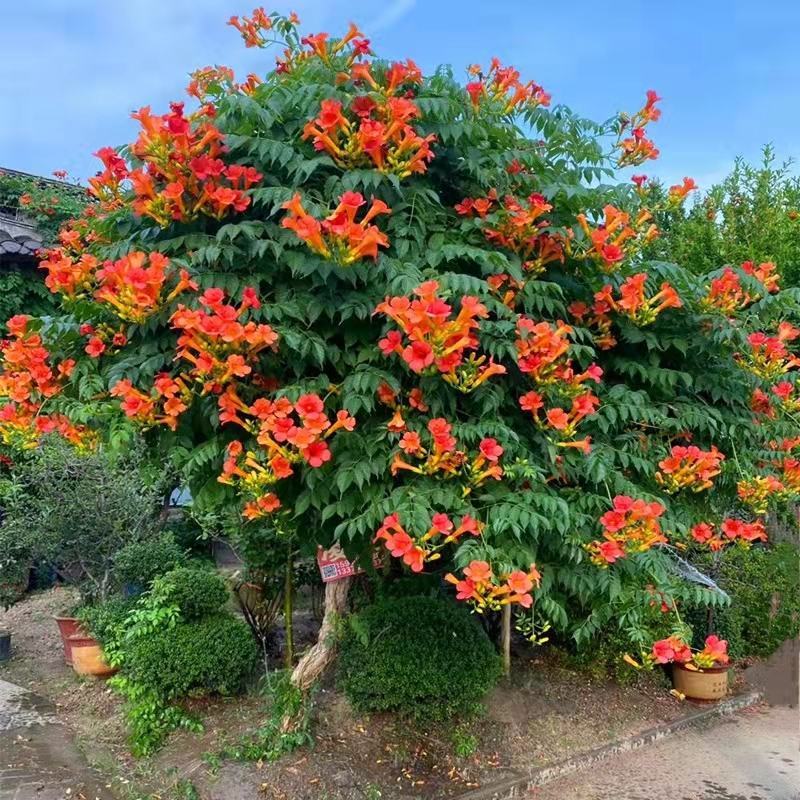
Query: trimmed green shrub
x,y
140,562
422,656
764,586
215,654
196,592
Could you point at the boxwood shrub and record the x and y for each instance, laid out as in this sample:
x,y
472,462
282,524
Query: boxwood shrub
x,y
421,656
196,591
140,562
215,654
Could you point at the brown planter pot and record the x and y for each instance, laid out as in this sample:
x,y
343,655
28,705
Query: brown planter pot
x,y
88,658
707,684
67,627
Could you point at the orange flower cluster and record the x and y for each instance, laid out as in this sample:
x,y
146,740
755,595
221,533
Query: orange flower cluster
x,y
417,550
501,88
28,378
481,587
675,650
253,28
730,530
769,357
678,193
726,294
519,227
689,468
375,130
290,433
542,349
632,302
757,492
442,456
70,267
563,422
598,316
215,340
631,526
389,397
788,398
791,475
339,237
505,288
616,237
213,82
636,148
163,405
431,338
183,175
133,285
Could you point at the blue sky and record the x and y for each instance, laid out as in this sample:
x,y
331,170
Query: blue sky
x,y
727,70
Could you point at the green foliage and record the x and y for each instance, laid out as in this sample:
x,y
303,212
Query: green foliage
x,y
195,592
139,562
764,586
150,720
77,510
211,655
421,656
464,743
274,738
105,621
22,290
753,214
602,656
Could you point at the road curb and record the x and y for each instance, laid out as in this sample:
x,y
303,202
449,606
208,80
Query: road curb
x,y
522,782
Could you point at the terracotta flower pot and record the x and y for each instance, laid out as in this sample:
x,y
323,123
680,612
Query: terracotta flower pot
x,y
68,626
706,684
88,658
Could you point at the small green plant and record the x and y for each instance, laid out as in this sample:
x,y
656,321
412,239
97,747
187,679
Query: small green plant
x,y
274,738
422,656
150,719
464,743
140,562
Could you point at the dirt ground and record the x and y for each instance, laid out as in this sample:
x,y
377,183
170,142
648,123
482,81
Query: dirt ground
x,y
547,712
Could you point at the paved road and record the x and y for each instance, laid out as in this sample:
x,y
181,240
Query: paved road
x,y
752,755
38,760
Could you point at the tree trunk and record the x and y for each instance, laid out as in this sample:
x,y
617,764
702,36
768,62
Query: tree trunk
x,y
315,661
506,640
288,611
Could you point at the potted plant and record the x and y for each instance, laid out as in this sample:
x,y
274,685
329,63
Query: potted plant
x,y
700,674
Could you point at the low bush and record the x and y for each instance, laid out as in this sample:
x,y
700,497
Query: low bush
x,y
764,587
212,655
416,655
196,592
140,562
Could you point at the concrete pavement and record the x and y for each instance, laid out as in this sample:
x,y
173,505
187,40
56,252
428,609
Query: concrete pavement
x,y
38,760
752,755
